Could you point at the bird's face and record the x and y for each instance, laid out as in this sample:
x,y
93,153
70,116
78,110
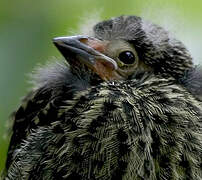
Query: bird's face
x,y
110,60
123,48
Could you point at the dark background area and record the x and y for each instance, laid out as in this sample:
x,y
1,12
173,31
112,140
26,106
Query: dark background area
x,y
27,28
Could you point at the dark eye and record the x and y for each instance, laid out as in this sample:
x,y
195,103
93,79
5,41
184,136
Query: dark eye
x,y
127,57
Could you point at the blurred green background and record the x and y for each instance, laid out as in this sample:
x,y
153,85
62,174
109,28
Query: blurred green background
x,y
27,27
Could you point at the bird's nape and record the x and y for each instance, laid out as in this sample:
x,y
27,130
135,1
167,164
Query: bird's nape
x,y
155,47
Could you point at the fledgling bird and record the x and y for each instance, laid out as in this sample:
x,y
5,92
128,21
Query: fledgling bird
x,y
124,105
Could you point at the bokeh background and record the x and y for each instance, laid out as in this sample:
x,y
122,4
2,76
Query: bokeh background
x,y
27,27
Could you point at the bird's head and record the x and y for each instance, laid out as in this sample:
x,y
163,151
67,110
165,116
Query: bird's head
x,y
125,47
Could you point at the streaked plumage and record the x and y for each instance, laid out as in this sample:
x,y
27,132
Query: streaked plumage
x,y
135,121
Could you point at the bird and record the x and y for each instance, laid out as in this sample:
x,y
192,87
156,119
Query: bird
x,y
124,104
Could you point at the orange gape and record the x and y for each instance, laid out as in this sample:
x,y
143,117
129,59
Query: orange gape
x,y
103,68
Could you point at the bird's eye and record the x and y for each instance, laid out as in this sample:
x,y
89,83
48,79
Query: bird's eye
x,y
127,57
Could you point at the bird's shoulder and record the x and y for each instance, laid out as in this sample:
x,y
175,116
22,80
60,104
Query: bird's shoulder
x,y
51,84
23,118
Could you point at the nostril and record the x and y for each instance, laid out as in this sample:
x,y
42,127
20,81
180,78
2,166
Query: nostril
x,y
83,40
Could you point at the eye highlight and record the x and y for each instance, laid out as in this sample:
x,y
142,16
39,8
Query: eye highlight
x,y
127,57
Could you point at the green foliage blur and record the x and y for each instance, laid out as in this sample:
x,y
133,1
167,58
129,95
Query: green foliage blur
x,y
27,28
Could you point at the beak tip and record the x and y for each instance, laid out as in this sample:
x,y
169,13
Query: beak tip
x,y
59,40
56,40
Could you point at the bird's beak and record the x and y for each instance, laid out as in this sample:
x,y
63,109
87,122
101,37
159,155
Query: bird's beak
x,y
88,51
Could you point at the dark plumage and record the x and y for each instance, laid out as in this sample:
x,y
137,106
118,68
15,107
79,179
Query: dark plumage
x,y
125,107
